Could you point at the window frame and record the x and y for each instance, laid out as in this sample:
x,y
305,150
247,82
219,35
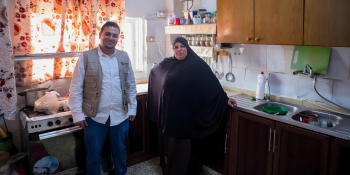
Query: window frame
x,y
138,48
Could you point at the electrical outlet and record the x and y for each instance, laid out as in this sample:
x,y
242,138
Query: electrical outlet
x,y
161,14
150,39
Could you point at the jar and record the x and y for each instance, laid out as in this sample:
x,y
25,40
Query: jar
x,y
203,39
208,41
206,20
189,40
198,41
194,42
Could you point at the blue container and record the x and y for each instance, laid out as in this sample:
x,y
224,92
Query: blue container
x,y
183,21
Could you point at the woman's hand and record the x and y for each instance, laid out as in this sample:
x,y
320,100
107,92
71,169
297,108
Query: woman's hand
x,y
232,102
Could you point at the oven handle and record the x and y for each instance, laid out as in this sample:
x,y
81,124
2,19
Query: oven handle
x,y
59,132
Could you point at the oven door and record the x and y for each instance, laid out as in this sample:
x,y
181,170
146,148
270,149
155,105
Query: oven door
x,y
62,151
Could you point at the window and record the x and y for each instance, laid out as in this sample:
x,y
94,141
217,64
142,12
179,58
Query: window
x,y
133,44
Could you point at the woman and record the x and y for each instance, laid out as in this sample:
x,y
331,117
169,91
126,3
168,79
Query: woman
x,y
187,102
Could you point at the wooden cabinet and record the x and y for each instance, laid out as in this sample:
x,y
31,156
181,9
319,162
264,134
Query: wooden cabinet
x,y
262,146
327,23
260,21
279,22
235,22
140,132
216,147
340,157
252,142
299,151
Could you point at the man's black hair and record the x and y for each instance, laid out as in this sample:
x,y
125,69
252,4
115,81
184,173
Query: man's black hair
x,y
110,24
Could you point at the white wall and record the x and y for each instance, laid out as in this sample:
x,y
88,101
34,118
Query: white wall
x,y
209,5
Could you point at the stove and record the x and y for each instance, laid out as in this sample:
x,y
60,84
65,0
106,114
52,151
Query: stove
x,y
39,122
56,136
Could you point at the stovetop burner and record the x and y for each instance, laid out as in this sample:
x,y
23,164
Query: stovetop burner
x,y
39,121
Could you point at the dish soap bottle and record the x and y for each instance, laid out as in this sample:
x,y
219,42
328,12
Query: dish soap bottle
x,y
260,90
170,20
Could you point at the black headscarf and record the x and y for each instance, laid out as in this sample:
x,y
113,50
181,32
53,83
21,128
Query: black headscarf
x,y
184,96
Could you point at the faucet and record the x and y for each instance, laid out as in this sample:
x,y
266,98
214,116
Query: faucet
x,y
310,74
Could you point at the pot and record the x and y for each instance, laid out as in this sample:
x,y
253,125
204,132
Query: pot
x,y
31,95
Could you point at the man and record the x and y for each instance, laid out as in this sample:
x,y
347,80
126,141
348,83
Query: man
x,y
102,98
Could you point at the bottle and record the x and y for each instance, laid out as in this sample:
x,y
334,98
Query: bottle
x,y
176,20
260,90
170,20
3,133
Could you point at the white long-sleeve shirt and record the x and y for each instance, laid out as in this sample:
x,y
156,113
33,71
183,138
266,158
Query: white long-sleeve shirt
x,y
111,102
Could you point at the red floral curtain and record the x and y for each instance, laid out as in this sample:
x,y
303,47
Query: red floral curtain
x,y
48,26
7,82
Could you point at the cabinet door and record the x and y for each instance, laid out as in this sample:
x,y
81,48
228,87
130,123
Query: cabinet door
x,y
299,151
251,145
327,23
136,141
340,157
216,148
279,22
235,21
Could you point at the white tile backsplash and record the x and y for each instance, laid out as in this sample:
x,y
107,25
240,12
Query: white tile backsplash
x,y
282,84
243,55
258,57
247,66
250,81
288,54
306,89
339,63
275,58
341,93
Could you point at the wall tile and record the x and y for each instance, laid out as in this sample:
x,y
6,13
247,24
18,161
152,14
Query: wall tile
x,y
339,63
275,58
288,54
156,29
239,76
250,81
306,89
282,84
258,57
153,55
243,56
341,93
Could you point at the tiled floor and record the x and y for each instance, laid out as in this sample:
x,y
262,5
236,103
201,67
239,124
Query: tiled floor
x,y
152,167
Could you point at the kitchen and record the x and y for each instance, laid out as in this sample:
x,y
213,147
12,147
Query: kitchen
x,y
256,25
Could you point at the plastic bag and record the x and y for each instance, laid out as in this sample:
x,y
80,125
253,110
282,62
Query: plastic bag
x,y
48,103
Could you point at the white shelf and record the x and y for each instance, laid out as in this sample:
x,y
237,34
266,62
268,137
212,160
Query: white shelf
x,y
191,29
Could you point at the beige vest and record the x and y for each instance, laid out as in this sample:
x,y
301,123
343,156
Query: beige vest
x,y
93,80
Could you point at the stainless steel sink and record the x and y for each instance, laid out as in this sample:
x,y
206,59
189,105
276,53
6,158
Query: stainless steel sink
x,y
290,109
322,116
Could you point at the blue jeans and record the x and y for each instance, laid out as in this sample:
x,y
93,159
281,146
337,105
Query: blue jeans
x,y
94,138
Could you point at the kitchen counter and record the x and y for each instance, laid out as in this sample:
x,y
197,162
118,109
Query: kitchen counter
x,y
342,130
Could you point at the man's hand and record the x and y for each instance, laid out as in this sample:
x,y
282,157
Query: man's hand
x,y
82,124
132,117
232,102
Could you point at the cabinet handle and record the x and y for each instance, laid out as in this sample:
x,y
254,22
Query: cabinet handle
x,y
274,140
225,143
257,39
270,140
249,38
